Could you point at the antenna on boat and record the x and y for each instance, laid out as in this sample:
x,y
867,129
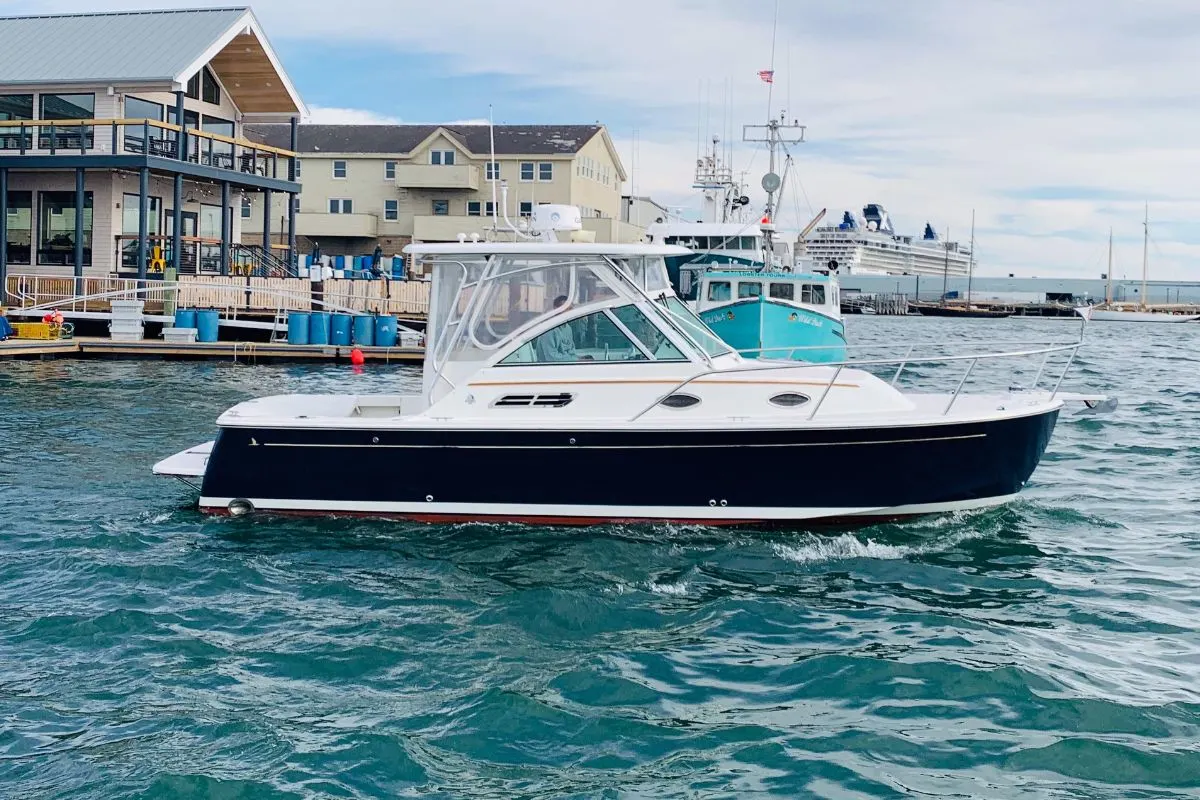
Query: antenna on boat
x,y
971,264
1145,253
1108,275
494,167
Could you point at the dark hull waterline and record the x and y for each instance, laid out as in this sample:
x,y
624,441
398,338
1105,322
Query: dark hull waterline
x,y
962,313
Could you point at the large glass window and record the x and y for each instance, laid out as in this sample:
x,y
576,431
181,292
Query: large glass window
x,y
20,227
492,171
191,119
56,225
16,106
749,289
441,158
594,337
137,108
783,291
391,210
67,106
129,225
222,152
653,340
545,170
526,170
441,208
210,90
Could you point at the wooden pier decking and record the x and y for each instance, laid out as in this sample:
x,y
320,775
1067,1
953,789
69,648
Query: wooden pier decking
x,y
239,352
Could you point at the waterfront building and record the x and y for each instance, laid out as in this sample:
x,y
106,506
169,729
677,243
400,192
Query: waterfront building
x,y
389,185
121,141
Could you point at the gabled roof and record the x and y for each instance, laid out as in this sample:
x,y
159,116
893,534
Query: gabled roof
x,y
522,140
147,47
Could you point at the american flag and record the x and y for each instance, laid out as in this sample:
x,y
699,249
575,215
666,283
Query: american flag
x,y
767,75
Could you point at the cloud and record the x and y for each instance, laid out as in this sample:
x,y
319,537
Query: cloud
x,y
1052,121
321,115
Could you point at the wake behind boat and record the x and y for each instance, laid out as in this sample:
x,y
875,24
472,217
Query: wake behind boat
x,y
566,383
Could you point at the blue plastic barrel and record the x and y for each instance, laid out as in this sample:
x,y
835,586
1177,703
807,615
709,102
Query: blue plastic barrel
x,y
339,329
364,330
185,318
297,327
385,331
318,327
398,268
207,322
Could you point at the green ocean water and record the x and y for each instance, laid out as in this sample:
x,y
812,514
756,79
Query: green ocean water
x,y
1050,648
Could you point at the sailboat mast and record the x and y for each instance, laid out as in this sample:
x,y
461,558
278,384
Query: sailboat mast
x,y
971,265
1145,252
1108,283
946,267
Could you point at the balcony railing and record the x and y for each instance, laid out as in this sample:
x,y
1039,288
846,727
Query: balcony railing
x,y
142,137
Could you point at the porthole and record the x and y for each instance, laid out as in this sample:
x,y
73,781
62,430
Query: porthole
x,y
680,401
789,399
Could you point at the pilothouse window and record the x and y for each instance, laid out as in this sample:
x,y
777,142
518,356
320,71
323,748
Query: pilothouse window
x,y
813,294
719,291
783,291
749,289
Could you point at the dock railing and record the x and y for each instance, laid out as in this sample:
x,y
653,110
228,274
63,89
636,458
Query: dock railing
x,y
142,137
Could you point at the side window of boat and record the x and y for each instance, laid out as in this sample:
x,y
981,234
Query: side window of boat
x,y
654,340
783,291
813,293
594,337
719,290
749,289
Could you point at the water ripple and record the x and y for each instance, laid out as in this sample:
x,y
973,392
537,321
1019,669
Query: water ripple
x,y
1050,648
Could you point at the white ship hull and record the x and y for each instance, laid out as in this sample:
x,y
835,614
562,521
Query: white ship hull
x,y
872,252
1092,314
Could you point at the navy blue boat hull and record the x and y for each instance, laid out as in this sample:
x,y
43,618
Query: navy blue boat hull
x,y
585,475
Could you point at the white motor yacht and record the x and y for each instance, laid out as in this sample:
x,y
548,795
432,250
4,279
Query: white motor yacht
x,y
565,383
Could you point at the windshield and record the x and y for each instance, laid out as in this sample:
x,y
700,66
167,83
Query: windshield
x,y
694,327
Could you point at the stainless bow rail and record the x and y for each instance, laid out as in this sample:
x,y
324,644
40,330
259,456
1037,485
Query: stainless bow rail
x,y
971,360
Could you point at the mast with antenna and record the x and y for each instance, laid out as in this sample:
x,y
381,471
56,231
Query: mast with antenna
x,y
775,133
946,267
971,265
1145,253
495,168
1108,275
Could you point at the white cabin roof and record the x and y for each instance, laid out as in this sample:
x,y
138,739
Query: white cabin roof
x,y
705,228
547,248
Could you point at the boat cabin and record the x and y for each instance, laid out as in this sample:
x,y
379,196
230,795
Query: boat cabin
x,y
523,304
721,287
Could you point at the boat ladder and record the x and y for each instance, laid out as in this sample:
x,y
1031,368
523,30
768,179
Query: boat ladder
x,y
280,331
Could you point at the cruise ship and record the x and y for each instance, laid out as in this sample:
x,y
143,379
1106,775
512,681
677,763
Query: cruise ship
x,y
869,245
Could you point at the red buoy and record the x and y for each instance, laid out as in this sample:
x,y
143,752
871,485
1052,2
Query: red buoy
x,y
356,357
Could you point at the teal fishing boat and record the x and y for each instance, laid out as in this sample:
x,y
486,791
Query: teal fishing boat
x,y
774,314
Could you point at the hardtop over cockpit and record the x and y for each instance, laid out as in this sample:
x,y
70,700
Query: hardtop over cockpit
x,y
528,303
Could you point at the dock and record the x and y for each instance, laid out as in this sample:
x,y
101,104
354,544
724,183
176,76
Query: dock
x,y
237,352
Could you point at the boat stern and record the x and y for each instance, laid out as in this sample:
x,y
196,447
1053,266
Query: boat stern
x,y
187,466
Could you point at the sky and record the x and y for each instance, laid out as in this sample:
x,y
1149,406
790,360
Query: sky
x,y
1052,120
